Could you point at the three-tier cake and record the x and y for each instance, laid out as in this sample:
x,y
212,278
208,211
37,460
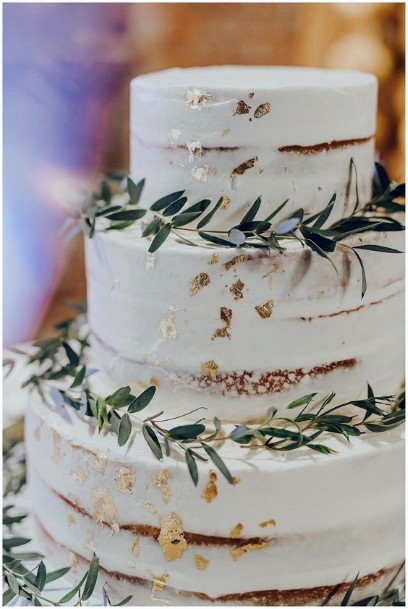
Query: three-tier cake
x,y
235,330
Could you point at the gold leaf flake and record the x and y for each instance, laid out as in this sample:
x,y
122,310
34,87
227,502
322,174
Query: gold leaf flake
x,y
242,108
79,475
214,259
201,562
154,381
236,480
237,530
99,463
195,149
171,538
209,369
196,98
159,582
200,173
135,546
226,202
261,170
265,310
250,95
115,529
224,132
267,523
236,289
56,446
210,490
150,260
226,317
241,169
74,562
90,541
237,552
131,564
199,282
270,274
125,479
149,507
103,506
160,480
70,519
233,261
262,110
167,326
173,135
37,433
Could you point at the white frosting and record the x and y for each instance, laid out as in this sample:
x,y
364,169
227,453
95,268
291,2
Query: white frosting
x,y
352,501
317,319
302,107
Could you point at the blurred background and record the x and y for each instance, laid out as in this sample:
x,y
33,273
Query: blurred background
x,y
67,69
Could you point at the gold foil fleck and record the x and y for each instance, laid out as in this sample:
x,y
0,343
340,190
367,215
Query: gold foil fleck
x,y
159,583
125,479
250,95
214,258
237,530
70,519
173,135
37,433
149,261
199,282
103,506
160,480
226,317
241,169
99,463
210,490
195,149
56,446
135,546
261,170
196,98
236,289
224,132
262,110
79,475
115,529
265,310
74,562
235,480
209,369
90,541
266,523
226,202
233,261
200,173
171,538
237,552
201,562
242,108
270,274
167,326
154,381
131,564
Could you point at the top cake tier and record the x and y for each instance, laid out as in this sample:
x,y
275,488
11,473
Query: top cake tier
x,y
241,132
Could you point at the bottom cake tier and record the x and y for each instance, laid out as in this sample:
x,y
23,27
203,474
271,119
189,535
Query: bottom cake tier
x,y
293,528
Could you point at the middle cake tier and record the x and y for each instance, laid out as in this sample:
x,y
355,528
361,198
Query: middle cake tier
x,y
239,330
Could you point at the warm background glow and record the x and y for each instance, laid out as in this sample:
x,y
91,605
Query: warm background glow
x,y
67,69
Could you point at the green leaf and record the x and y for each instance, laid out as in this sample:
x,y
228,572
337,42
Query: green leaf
x,y
70,595
160,237
347,596
119,398
152,228
322,449
91,578
135,190
13,583
143,400
204,221
325,213
152,441
14,542
276,211
127,215
218,462
216,240
185,218
71,355
166,201
79,377
123,602
325,244
186,432
125,429
107,210
363,274
41,577
252,211
192,466
106,192
114,420
120,225
57,574
304,400
200,207
175,207
378,248
8,596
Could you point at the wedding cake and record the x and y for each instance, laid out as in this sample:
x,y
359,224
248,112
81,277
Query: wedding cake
x,y
245,338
